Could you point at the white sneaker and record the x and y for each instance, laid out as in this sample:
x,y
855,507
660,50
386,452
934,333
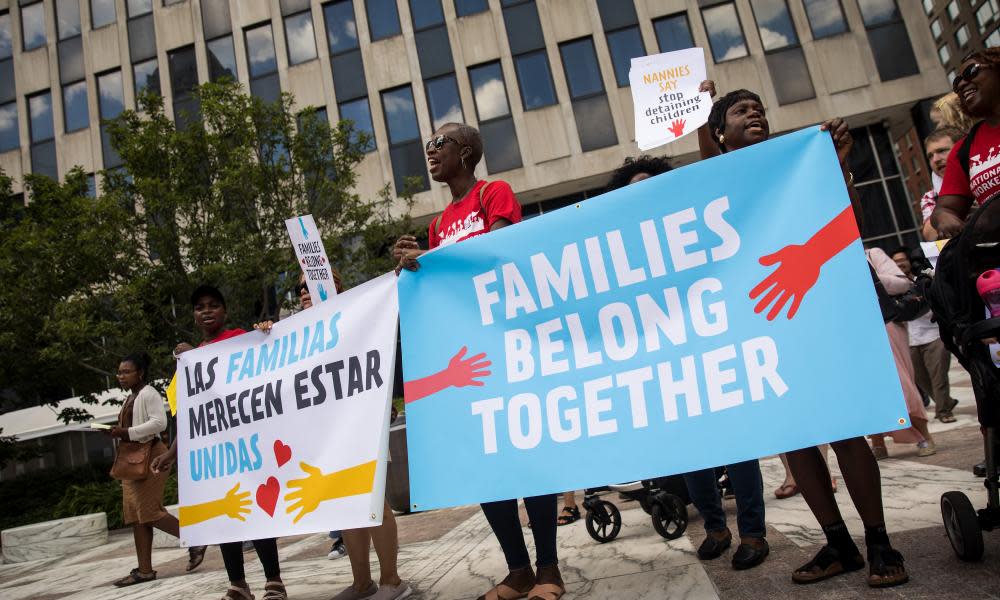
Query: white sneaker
x,y
337,551
393,592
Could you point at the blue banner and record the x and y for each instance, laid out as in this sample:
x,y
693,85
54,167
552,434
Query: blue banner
x,y
713,314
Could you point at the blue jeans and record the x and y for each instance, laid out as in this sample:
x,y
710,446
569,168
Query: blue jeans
x,y
749,489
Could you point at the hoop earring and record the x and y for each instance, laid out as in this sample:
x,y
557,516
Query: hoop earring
x,y
464,166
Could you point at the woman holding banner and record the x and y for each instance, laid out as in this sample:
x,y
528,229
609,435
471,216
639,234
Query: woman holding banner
x,y
738,120
478,207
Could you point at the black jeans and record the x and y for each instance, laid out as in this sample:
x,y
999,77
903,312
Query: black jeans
x,y
506,524
267,552
749,488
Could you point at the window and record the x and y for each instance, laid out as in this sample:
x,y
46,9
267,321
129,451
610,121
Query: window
x,y
944,54
888,39
383,18
621,28
141,38
993,40
67,18
76,115
110,103
405,149
527,45
146,76
928,6
889,220
33,26
139,7
221,58
936,29
673,32
586,90
987,13
9,135
263,63
6,41
785,60
7,88
953,10
299,36
42,133
350,86
102,12
443,100
501,148
359,113
436,63
725,33
183,81
464,8
341,27
951,76
826,17
962,36
426,13
215,20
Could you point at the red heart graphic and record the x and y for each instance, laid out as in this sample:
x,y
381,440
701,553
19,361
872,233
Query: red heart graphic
x,y
267,495
282,453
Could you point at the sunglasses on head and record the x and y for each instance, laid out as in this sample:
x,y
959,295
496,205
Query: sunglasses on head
x,y
968,74
440,141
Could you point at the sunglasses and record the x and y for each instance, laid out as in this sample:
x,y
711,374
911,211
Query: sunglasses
x,y
968,74
301,289
439,142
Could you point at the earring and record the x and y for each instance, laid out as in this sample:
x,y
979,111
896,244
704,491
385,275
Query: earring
x,y
463,163
722,139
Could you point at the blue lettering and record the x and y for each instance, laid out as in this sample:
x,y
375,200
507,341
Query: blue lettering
x,y
334,334
247,370
235,356
258,459
317,341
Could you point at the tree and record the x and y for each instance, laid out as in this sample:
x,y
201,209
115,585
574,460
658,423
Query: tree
x,y
201,203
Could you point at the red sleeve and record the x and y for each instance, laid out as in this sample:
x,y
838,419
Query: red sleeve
x,y
432,239
499,202
955,183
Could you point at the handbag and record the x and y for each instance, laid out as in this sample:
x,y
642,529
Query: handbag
x,y
132,461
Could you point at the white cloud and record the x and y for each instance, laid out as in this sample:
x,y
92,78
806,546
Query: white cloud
x,y
39,105
772,39
300,39
737,51
824,14
491,100
454,115
8,117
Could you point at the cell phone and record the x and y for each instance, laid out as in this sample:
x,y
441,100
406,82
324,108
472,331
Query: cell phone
x,y
96,425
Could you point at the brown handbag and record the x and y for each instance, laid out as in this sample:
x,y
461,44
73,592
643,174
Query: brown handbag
x,y
132,461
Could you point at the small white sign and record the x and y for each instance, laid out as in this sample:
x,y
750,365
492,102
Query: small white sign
x,y
312,257
665,93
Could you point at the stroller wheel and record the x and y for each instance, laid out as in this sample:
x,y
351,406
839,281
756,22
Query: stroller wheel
x,y
670,518
962,524
604,521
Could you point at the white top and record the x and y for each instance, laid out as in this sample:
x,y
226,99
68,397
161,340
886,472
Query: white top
x,y
148,417
922,330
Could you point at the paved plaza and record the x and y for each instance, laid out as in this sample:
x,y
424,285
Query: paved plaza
x,y
451,554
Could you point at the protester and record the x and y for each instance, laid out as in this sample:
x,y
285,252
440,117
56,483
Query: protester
x,y
210,318
636,169
338,549
937,146
978,87
931,360
142,419
478,207
570,512
788,488
737,121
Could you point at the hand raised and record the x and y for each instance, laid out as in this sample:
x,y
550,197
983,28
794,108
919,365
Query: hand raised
x,y
797,273
462,372
235,504
310,491
677,127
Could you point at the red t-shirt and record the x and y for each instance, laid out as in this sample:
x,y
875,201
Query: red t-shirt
x,y
467,217
984,167
225,335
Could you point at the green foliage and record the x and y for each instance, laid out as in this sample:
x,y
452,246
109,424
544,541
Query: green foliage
x,y
45,489
89,498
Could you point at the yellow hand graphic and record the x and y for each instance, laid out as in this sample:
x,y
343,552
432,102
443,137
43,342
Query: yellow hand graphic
x,y
233,505
317,487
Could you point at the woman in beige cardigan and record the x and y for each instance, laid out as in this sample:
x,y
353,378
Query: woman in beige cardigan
x,y
143,419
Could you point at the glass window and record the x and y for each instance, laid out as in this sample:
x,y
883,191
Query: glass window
x,y
594,123
673,33
489,91
987,13
33,26
994,40
951,76
300,38
790,75
43,159
7,88
360,114
215,19
443,100
147,77
75,112
102,12
826,17
928,6
9,136
266,87
71,67
893,52
725,34
624,45
465,8
953,10
67,18
535,79
962,36
408,161
221,58
426,13
524,30
341,28
616,14
500,147
111,99
400,115
40,117
774,24
141,38
293,6
383,18
944,54
6,42
139,7
434,52
936,29
349,76
91,186
183,71
876,12
582,71
260,51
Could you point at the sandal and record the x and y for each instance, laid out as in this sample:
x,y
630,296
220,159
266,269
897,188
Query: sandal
x,y
882,559
196,554
946,417
787,490
880,452
571,514
236,592
829,562
506,591
135,577
274,590
546,591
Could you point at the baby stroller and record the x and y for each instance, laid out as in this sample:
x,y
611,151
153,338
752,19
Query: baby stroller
x,y
665,499
961,316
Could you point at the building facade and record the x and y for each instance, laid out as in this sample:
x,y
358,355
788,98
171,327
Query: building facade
x,y
546,81
962,26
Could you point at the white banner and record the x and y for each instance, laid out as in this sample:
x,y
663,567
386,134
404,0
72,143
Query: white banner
x,y
665,93
312,258
286,433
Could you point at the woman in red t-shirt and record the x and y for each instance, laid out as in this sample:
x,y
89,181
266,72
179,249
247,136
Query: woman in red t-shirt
x,y
978,87
478,207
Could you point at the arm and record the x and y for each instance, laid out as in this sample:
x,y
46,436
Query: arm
x,y
888,273
928,232
406,250
949,215
316,487
706,144
460,372
233,505
157,422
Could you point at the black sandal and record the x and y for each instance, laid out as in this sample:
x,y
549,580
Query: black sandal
x,y
134,577
196,554
571,514
882,558
828,562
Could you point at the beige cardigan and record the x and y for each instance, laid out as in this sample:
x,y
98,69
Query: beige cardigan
x,y
148,416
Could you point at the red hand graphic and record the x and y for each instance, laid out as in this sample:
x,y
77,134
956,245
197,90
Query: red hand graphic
x,y
677,127
801,264
460,372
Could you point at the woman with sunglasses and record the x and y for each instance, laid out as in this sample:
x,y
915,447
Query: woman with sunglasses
x,y
476,208
965,186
